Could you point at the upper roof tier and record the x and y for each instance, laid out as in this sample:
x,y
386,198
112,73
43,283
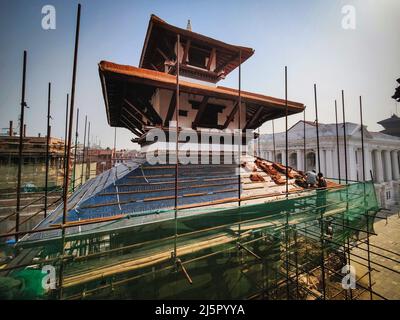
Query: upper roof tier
x,y
201,57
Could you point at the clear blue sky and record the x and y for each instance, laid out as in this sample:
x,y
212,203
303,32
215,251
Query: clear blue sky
x,y
305,35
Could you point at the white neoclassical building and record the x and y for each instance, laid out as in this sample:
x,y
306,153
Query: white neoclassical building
x,y
382,154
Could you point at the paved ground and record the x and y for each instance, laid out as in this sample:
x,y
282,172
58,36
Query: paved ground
x,y
385,282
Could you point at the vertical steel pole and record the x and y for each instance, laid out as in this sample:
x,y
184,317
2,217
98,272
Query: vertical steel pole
x,y
71,114
304,141
66,136
76,148
347,181
337,141
317,128
287,190
273,139
239,127
365,201
177,142
286,137
21,141
71,119
88,154
344,139
83,151
46,184
115,145
258,144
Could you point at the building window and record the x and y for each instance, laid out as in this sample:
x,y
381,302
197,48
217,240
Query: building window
x,y
183,113
388,195
197,57
209,118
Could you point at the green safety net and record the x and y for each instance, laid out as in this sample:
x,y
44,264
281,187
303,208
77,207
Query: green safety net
x,y
230,252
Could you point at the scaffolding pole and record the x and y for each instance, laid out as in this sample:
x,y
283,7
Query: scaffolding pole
x,y
46,184
83,151
21,142
76,148
337,141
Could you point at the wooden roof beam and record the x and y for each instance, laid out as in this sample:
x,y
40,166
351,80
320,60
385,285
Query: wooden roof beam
x,y
171,109
132,123
223,66
231,116
136,118
200,112
211,58
154,67
129,126
153,113
138,110
254,118
186,51
162,54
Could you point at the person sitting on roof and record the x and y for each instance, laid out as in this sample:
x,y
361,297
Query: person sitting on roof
x,y
321,182
321,194
311,178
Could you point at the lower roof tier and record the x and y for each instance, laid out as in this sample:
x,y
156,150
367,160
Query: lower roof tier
x,y
137,98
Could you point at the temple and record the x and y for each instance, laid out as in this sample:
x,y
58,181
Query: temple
x,y
391,125
144,97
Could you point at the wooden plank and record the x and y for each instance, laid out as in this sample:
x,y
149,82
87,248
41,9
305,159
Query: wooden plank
x,y
145,261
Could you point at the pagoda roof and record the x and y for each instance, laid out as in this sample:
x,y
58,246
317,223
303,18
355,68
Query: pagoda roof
x,y
160,40
131,87
392,120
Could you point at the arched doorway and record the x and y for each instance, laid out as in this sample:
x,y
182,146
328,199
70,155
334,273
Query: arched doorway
x,y
310,160
293,160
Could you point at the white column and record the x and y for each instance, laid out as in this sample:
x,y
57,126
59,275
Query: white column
x,y
334,161
387,166
378,166
368,163
352,165
329,164
395,165
300,159
283,153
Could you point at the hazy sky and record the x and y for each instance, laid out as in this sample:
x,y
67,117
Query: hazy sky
x,y
305,35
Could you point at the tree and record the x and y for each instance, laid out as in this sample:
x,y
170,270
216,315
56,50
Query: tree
x,y
396,95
